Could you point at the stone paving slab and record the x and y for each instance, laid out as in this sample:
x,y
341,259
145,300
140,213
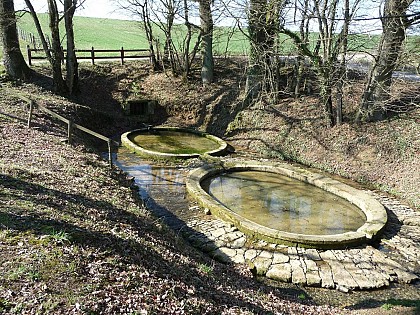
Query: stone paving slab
x,y
312,273
359,268
280,272
326,275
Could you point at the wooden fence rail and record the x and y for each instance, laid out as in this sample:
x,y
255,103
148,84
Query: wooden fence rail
x,y
92,54
32,39
70,125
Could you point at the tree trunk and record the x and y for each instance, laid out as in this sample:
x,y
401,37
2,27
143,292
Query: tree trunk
x,y
13,60
168,49
264,23
341,76
72,76
207,68
187,42
57,52
149,34
304,34
257,39
394,24
326,98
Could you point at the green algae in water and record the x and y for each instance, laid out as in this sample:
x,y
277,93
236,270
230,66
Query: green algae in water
x,y
282,203
174,142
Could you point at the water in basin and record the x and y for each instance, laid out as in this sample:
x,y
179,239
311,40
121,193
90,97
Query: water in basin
x,y
282,203
174,142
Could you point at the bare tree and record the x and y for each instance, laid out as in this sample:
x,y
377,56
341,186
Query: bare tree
x,y
39,30
342,68
179,50
13,61
142,9
395,22
332,41
304,35
171,8
55,54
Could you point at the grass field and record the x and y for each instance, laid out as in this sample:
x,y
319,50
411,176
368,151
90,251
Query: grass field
x,y
94,32
114,34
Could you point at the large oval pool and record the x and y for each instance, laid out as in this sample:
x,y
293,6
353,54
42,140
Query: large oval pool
x,y
283,203
286,204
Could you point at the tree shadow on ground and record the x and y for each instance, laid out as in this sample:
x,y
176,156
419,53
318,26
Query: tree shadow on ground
x,y
132,250
222,106
216,116
393,225
405,103
277,144
42,78
388,304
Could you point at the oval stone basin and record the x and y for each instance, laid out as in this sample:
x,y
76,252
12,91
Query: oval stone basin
x,y
285,204
172,143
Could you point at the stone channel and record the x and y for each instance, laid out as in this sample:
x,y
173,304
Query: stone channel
x,y
396,259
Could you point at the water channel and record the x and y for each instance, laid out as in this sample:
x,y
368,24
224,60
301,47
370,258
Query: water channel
x,y
161,186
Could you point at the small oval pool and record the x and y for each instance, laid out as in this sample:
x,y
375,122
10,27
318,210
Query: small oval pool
x,y
285,204
172,142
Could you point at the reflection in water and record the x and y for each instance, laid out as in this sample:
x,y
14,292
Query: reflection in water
x,y
155,181
161,187
283,203
174,142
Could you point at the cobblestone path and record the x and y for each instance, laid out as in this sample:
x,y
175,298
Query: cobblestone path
x,y
396,259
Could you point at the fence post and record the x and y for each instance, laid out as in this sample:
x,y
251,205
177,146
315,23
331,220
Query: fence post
x,y
92,55
69,131
34,41
122,55
31,109
63,60
28,49
110,152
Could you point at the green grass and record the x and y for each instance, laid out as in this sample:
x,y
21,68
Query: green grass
x,y
95,32
391,303
205,268
113,34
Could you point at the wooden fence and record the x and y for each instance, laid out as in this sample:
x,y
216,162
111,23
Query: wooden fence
x,y
32,39
94,54
71,126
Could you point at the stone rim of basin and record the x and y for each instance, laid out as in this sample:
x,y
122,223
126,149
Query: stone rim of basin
x,y
376,216
125,140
